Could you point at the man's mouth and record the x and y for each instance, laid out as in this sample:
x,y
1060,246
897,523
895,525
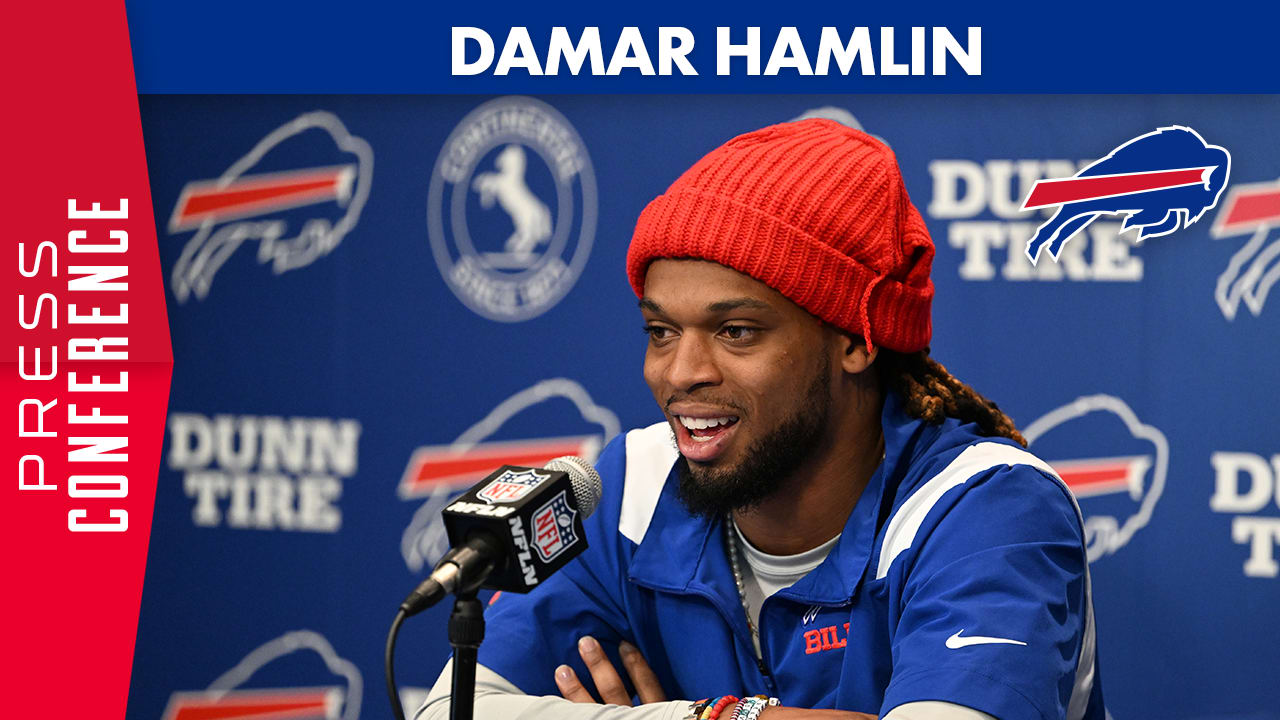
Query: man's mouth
x,y
703,439
704,429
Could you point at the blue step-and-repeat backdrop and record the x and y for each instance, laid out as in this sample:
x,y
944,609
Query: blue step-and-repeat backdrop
x,y
374,300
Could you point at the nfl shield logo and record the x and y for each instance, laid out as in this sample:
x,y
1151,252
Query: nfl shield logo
x,y
511,485
553,528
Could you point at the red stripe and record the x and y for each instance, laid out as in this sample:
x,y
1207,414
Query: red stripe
x,y
257,707
237,194
1098,476
1066,190
1089,478
1257,207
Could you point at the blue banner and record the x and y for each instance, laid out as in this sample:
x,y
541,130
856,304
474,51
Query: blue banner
x,y
664,47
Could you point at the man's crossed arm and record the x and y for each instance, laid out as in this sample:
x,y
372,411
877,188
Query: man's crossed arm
x,y
498,699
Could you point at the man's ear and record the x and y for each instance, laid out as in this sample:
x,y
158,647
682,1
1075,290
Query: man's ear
x,y
854,357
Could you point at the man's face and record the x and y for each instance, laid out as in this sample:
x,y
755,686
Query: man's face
x,y
744,376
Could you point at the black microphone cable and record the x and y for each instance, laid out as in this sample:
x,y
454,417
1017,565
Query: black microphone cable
x,y
396,708
451,574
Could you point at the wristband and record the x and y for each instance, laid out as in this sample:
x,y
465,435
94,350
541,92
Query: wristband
x,y
751,707
713,712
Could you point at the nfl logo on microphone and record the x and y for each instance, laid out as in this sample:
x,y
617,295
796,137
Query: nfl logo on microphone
x,y
512,485
553,528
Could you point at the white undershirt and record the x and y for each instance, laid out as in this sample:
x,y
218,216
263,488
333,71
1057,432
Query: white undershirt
x,y
764,574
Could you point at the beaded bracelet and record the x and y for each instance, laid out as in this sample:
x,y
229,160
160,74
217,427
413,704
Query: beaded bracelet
x,y
713,712
699,707
750,708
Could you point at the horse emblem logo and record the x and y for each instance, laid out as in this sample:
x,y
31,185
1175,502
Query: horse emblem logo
x,y
511,210
530,216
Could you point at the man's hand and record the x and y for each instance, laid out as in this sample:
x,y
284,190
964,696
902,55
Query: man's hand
x,y
606,678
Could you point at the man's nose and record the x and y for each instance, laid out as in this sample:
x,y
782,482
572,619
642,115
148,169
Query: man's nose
x,y
693,364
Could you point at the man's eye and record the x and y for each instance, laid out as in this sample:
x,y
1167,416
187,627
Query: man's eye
x,y
738,332
655,332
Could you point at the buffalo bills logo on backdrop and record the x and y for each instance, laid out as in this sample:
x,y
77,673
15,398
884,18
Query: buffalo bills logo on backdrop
x,y
1161,181
297,210
276,681
439,473
838,114
511,210
1121,478
1254,268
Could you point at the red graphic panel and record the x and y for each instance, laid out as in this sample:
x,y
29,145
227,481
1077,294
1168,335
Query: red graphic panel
x,y
86,445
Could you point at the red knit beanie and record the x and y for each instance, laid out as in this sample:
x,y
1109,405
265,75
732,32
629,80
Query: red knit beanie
x,y
814,210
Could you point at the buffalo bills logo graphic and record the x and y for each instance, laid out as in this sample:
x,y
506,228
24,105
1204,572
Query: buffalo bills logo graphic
x,y
238,693
295,215
1159,182
1255,267
511,485
839,114
1114,464
553,528
516,432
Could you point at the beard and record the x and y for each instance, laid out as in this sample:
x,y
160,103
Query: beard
x,y
767,463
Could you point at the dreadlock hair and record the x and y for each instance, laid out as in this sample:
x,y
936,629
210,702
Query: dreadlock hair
x,y
931,393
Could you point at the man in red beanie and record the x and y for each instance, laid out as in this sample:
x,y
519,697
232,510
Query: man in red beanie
x,y
827,522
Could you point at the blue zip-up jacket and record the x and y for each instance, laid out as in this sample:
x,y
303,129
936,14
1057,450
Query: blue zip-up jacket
x,y
960,576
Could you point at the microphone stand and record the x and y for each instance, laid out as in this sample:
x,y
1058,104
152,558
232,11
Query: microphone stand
x,y
461,572
466,631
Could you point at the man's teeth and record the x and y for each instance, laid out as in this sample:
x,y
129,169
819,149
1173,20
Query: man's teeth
x,y
704,423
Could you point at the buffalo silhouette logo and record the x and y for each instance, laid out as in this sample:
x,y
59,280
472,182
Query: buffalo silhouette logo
x,y
1114,464
1252,208
295,216
438,474
239,694
1160,182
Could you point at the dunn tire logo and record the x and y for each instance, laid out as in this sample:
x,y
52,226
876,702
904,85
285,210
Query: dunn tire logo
x,y
511,211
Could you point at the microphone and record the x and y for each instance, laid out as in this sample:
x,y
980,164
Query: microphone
x,y
512,530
